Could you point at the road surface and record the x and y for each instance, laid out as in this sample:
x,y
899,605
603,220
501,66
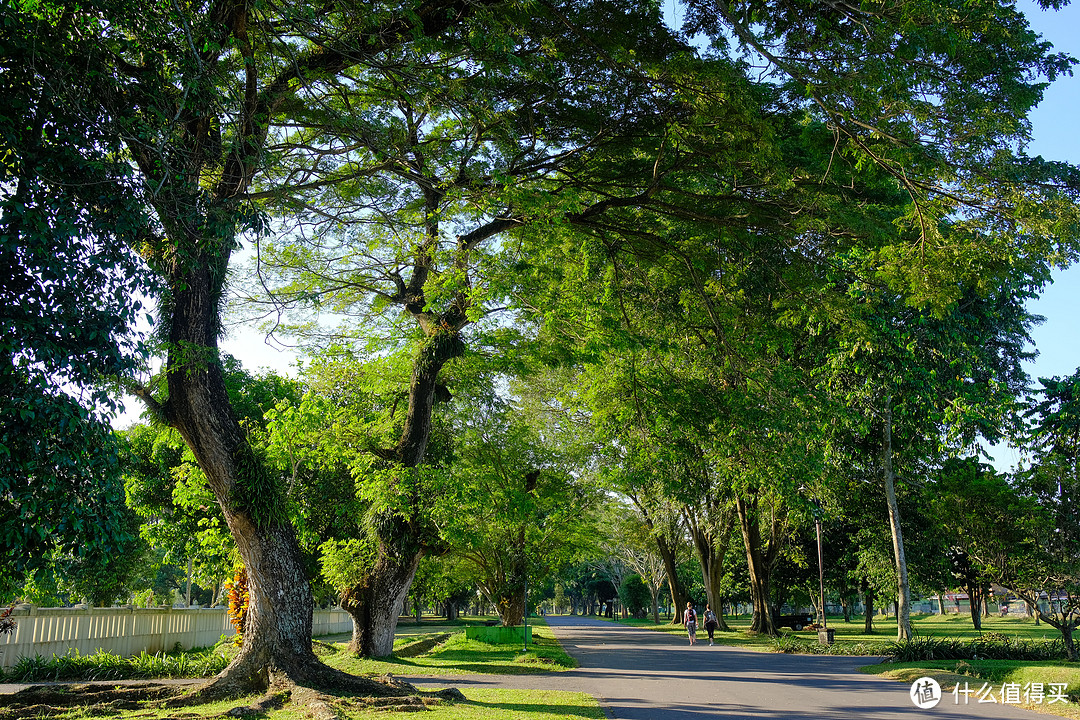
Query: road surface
x,y
640,674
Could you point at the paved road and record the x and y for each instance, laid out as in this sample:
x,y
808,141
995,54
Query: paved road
x,y
646,675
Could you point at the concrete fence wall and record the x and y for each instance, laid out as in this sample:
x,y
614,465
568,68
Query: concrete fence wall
x,y
128,631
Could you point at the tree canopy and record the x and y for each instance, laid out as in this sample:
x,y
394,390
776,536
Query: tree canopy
x,y
788,251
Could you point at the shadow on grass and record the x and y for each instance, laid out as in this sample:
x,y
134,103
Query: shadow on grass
x,y
582,711
455,661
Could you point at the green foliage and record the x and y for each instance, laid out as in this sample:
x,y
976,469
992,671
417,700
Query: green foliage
x,y
794,644
516,513
634,595
931,648
749,265
1038,552
108,666
69,297
347,563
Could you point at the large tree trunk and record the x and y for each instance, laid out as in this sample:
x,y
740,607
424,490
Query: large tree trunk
x,y
376,602
668,552
376,605
903,594
711,544
758,565
511,604
277,634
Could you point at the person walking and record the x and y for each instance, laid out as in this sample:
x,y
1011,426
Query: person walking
x,y
690,621
710,622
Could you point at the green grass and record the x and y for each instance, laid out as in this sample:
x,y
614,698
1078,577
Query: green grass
x,y
975,672
852,635
491,704
479,704
459,655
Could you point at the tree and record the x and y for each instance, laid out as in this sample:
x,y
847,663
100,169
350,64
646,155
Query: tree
x,y
518,513
972,504
932,199
410,184
322,444
69,284
161,81
943,124
634,595
166,487
1039,531
640,552
909,383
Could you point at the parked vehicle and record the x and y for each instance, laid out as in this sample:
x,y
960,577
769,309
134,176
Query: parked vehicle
x,y
795,622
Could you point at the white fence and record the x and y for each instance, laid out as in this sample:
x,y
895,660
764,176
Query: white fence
x,y
128,631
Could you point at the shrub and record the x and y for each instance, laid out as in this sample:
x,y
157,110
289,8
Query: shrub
x,y
109,666
996,647
791,643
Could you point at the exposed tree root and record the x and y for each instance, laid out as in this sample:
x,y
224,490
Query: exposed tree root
x,y
41,701
319,691
317,704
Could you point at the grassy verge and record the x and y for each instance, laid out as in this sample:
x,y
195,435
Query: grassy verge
x,y
995,673
458,655
491,704
850,638
479,704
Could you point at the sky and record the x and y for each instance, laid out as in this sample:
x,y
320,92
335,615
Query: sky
x,y
1056,136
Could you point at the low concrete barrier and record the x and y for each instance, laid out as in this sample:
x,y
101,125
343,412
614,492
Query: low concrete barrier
x,y
128,631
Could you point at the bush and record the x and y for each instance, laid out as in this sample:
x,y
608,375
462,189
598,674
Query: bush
x,y
991,646
108,666
791,643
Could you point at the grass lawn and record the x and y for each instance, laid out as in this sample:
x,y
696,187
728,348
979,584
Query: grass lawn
x,y
491,704
977,673
479,704
457,655
953,626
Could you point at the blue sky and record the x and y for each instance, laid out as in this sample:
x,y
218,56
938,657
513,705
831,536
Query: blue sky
x,y
1056,134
